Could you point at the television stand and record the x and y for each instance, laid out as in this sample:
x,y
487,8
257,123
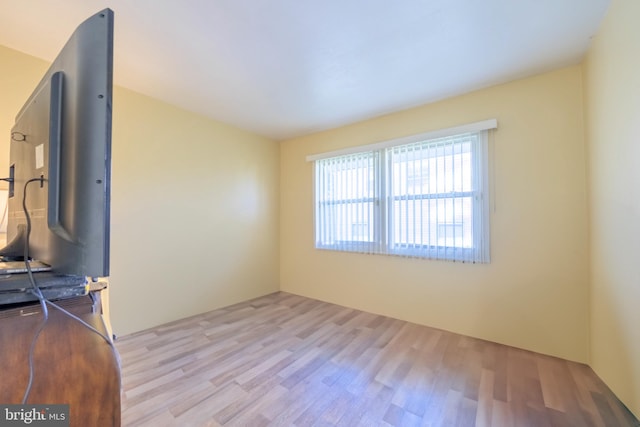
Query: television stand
x,y
73,365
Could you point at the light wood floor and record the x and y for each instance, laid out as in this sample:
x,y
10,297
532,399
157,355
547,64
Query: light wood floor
x,y
285,360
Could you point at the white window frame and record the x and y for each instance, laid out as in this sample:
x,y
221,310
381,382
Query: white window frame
x,y
383,239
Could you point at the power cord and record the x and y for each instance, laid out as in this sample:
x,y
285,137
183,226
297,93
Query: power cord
x,y
35,290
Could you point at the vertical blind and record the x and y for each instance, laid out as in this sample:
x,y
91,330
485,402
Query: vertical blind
x,y
424,199
347,202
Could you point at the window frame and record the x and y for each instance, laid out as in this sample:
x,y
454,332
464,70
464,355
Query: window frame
x,y
445,252
384,241
350,245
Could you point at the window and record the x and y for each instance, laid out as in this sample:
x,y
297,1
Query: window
x,y
425,196
347,202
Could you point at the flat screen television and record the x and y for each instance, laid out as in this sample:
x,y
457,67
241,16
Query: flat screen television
x,y
60,159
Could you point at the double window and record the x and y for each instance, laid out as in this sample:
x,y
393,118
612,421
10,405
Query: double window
x,y
423,196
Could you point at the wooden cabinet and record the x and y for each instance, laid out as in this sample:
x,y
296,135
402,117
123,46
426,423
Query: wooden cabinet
x,y
72,364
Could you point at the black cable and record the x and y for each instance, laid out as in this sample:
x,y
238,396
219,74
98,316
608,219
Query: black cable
x,y
35,290
85,324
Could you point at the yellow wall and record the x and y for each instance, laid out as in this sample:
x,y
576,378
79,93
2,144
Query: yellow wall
x,y
534,294
612,94
194,214
19,74
194,211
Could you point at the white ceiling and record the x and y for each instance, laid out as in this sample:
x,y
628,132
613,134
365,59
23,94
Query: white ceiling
x,y
284,68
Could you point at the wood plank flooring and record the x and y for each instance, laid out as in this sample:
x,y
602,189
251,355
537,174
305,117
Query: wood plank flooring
x,y
286,360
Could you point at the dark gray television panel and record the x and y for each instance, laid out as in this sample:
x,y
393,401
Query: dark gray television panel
x,y
62,140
